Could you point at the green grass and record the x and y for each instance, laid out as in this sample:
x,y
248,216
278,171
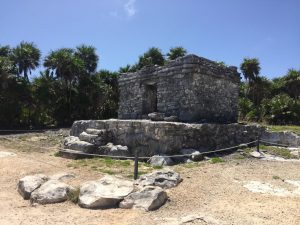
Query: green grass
x,y
276,177
158,167
240,157
216,160
111,166
191,165
282,152
295,129
73,195
57,154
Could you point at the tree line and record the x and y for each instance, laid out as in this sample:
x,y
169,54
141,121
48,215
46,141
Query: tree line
x,y
273,101
70,88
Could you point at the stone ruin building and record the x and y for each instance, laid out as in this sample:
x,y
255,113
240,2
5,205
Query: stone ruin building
x,y
200,94
192,88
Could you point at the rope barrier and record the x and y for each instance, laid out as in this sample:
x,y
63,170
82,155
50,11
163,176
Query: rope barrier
x,y
147,157
131,157
273,143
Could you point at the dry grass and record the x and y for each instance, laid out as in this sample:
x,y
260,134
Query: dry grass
x,y
295,129
111,166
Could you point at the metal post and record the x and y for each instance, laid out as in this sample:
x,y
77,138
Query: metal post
x,y
136,165
257,145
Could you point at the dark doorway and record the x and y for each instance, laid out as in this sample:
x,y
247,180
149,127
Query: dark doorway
x,y
150,99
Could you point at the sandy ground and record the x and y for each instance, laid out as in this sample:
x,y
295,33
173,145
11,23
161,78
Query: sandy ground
x,y
213,193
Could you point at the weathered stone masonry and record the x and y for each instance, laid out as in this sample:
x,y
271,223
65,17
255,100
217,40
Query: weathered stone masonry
x,y
192,88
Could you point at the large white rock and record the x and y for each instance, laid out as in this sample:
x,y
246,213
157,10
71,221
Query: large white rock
x,y
160,178
158,160
195,155
114,150
91,138
28,184
104,193
52,191
148,198
75,143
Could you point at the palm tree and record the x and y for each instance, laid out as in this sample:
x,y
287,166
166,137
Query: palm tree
x,y
64,64
5,51
26,57
292,83
67,67
176,52
88,55
250,68
151,57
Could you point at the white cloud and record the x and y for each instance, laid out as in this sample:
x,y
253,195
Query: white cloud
x,y
130,8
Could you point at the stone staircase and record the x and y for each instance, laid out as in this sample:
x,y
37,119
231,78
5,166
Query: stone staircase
x,y
92,141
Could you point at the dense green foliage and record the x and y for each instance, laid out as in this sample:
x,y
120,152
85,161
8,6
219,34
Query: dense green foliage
x,y
176,52
154,56
70,87
272,101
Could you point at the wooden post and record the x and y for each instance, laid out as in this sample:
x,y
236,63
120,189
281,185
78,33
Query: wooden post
x,y
136,165
257,145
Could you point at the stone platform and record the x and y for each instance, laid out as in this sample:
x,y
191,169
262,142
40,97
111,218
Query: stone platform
x,y
152,137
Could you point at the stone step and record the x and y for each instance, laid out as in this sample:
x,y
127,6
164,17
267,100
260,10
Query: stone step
x,y
74,143
90,138
101,139
73,154
95,131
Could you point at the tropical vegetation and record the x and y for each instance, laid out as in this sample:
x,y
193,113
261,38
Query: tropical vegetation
x,y
66,85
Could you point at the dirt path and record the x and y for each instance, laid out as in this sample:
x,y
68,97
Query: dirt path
x,y
214,193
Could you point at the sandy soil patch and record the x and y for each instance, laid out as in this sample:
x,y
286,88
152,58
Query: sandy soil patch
x,y
209,194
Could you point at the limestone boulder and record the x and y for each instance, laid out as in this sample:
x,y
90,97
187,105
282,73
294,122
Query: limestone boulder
x,y
95,136
28,184
197,156
113,150
161,178
148,198
107,192
75,143
156,116
90,138
192,155
158,160
52,191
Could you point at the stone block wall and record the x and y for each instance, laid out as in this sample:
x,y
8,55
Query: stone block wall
x,y
192,88
151,138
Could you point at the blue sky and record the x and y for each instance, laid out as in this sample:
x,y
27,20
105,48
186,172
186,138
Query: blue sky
x,y
121,30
